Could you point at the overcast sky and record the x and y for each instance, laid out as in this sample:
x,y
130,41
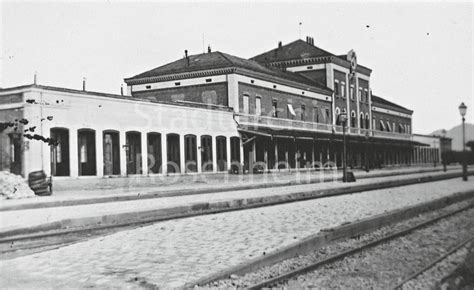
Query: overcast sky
x,y
421,53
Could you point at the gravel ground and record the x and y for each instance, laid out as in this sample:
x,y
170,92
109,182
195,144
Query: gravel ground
x,y
387,264
463,276
332,249
431,277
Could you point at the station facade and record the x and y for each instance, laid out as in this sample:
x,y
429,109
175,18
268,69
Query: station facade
x,y
211,112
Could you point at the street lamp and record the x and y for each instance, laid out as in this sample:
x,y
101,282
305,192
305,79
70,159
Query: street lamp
x,y
443,148
462,111
366,152
343,119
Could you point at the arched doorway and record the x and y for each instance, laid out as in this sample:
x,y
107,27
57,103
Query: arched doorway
x,y
206,153
154,153
173,158
190,155
134,152
86,152
111,152
60,152
221,152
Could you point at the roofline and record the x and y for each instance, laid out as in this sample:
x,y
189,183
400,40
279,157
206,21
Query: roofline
x,y
391,104
179,76
284,81
432,135
229,70
320,59
114,96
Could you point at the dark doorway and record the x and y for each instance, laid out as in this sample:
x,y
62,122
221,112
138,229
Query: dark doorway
x,y
206,153
86,152
190,153
173,153
221,151
154,153
283,154
60,152
134,152
15,153
235,154
111,153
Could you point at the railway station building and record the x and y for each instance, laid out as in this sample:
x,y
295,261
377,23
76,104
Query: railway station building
x,y
211,112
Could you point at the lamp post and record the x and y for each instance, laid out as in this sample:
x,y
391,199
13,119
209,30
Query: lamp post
x,y
443,149
343,119
366,152
462,111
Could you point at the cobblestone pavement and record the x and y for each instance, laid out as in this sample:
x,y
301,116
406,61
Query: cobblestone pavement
x,y
80,189
32,217
171,253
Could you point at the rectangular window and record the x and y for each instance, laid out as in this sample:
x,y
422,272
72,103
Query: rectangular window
x,y
303,112
343,89
409,130
316,114
366,95
360,94
336,88
246,104
328,116
291,111
352,92
274,109
258,106
373,124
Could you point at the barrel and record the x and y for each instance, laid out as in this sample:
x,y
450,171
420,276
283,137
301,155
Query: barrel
x,y
39,183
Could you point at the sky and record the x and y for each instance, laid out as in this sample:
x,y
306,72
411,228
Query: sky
x,y
420,53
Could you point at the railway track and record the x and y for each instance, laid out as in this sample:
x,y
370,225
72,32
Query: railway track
x,y
408,282
17,245
282,278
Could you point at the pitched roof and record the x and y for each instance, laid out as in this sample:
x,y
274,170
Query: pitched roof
x,y
383,101
298,49
220,60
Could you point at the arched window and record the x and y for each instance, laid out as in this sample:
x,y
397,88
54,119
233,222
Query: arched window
x,y
382,126
338,112
367,121
361,120
353,119
400,128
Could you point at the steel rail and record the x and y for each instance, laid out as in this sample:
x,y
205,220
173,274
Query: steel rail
x,y
433,263
285,276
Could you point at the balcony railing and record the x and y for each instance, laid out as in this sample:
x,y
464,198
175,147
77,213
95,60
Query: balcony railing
x,y
284,124
279,123
392,135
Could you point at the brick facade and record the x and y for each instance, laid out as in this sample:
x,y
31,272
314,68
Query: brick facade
x,y
215,94
392,119
283,99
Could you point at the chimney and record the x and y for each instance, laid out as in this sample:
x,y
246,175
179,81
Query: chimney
x,y
310,40
209,49
121,89
84,84
35,78
280,44
187,57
